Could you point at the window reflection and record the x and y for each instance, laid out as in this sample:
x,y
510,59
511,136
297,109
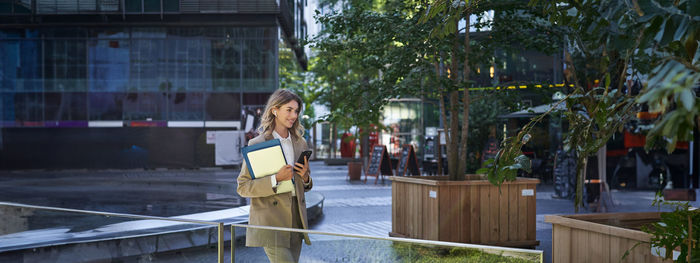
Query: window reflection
x,y
22,107
404,118
223,106
186,106
65,106
65,65
108,62
259,64
105,105
145,106
225,65
20,70
137,73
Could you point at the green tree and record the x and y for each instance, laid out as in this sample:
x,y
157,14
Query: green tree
x,y
608,43
303,83
380,52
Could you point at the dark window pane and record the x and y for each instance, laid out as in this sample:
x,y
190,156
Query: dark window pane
x,y
133,6
255,98
223,106
235,32
5,8
108,65
22,9
20,107
144,106
109,33
65,106
259,64
151,5
186,106
225,65
187,64
526,66
65,66
106,105
148,65
148,32
21,65
183,32
215,32
171,5
7,107
64,32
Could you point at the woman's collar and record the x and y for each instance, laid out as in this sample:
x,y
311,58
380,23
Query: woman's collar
x,y
278,136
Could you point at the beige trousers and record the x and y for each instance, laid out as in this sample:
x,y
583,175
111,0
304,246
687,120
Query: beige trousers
x,y
291,254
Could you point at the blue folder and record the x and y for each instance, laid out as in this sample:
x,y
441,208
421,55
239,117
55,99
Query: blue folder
x,y
264,158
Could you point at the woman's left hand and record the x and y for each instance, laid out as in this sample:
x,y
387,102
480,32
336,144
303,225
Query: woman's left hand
x,y
303,169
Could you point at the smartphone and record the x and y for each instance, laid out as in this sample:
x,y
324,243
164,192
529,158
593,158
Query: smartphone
x,y
301,157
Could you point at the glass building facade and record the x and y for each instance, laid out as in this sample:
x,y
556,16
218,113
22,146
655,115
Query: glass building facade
x,y
68,77
136,83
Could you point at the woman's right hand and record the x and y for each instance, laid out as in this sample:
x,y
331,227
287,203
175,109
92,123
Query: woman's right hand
x,y
285,173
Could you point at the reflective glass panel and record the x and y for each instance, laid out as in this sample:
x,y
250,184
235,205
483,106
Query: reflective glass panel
x,y
65,106
21,65
65,67
186,106
23,107
106,105
147,65
145,106
223,106
225,65
108,65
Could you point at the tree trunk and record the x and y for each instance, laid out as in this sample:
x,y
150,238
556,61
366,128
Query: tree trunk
x,y
465,103
443,117
453,147
582,164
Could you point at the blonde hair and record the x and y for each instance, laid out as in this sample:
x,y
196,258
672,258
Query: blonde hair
x,y
276,100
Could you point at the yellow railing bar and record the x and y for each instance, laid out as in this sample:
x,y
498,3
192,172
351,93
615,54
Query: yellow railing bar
x,y
233,241
220,249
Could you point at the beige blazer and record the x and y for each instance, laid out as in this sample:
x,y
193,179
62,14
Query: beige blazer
x,y
270,209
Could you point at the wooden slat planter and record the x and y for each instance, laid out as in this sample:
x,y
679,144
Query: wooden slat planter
x,y
601,237
471,211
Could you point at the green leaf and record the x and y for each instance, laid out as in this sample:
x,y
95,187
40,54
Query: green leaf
x,y
681,30
687,99
524,163
484,170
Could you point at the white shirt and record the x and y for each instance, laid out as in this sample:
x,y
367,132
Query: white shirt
x,y
288,150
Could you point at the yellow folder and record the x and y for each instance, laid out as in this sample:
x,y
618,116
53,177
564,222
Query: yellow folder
x,y
265,159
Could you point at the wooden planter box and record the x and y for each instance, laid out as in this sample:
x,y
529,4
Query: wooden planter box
x,y
601,237
471,211
355,170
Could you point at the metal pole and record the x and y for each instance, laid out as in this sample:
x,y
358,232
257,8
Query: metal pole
x,y
220,243
233,239
695,170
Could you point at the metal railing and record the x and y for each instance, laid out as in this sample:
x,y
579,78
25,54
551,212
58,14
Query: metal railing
x,y
539,253
530,255
220,226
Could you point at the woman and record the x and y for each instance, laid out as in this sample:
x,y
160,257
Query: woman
x,y
267,208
